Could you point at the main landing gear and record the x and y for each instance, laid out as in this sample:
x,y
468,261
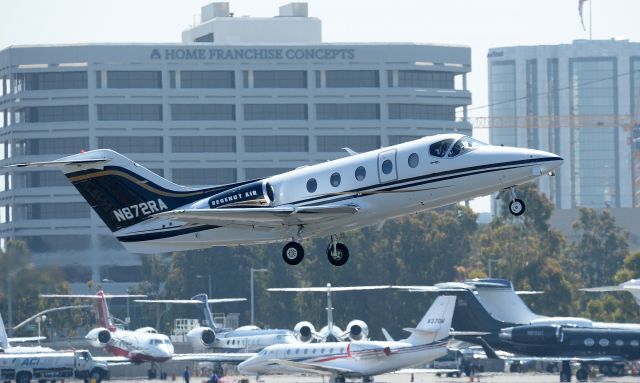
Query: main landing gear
x,y
516,206
337,253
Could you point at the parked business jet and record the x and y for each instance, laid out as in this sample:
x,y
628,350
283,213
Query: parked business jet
x,y
6,347
149,214
211,337
356,329
361,359
632,286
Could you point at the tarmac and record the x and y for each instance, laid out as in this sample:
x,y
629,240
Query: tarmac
x,y
421,377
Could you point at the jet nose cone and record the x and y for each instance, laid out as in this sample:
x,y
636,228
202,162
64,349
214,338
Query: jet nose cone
x,y
545,160
246,367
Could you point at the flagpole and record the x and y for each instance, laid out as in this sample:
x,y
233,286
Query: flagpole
x,y
590,20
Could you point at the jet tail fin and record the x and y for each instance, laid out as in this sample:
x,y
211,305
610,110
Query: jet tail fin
x,y
4,338
435,325
206,310
488,350
387,336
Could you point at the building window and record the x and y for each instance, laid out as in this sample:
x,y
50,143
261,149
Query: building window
x,y
357,143
335,179
413,160
41,178
134,79
61,113
206,144
69,210
210,79
348,111
425,79
204,176
129,144
279,79
360,173
130,112
54,145
253,112
56,243
203,112
399,139
422,112
352,79
276,144
312,185
253,173
53,80
502,101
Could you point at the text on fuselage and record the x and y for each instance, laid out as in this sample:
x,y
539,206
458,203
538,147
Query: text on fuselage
x,y
140,210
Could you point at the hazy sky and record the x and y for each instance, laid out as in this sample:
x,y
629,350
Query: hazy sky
x,y
479,24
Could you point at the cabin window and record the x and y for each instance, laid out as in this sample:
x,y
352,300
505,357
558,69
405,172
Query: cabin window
x,y
361,173
440,148
288,352
331,350
603,342
305,351
297,351
589,342
322,350
619,343
314,351
335,180
634,343
312,185
413,160
387,166
464,145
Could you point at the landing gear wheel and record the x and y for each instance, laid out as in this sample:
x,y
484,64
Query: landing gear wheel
x,y
293,253
341,255
582,375
516,207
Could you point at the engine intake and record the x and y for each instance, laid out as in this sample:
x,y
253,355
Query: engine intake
x,y
201,337
358,330
104,336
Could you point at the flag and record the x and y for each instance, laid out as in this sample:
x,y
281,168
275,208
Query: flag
x,y
580,6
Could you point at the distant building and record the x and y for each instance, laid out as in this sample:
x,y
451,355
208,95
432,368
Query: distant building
x,y
591,84
239,98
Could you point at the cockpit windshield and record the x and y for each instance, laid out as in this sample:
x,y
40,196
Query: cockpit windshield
x,y
440,148
464,145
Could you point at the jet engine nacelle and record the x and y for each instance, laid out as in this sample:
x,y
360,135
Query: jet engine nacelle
x,y
533,334
201,337
357,330
99,337
304,331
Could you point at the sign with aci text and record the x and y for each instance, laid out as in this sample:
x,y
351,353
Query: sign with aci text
x,y
228,54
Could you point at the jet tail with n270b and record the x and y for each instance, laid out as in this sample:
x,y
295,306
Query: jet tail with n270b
x,y
149,214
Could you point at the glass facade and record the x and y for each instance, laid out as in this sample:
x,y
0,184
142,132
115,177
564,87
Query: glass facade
x,y
274,144
253,173
280,79
62,113
553,111
352,79
502,101
347,111
55,145
124,79
202,79
421,112
203,112
206,144
275,112
425,79
131,144
532,103
594,163
60,210
51,80
206,176
130,112
358,143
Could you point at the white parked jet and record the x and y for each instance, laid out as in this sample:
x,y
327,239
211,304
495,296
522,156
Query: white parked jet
x,y
362,359
149,214
6,347
632,286
210,337
356,329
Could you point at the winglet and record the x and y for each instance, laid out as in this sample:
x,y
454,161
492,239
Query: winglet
x,y
350,151
387,336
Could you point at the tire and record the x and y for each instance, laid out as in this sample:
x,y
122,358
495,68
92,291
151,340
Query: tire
x,y
23,377
95,374
582,375
517,207
293,253
342,254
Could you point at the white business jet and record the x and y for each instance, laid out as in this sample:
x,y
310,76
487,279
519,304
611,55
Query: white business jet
x,y
149,214
211,337
632,286
356,329
6,347
361,359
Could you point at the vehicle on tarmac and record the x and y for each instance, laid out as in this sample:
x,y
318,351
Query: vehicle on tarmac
x,y
149,214
360,359
52,366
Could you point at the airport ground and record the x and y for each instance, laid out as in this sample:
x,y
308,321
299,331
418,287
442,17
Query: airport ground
x,y
423,377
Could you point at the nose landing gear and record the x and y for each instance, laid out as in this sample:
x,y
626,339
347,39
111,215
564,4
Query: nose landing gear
x,y
293,253
516,206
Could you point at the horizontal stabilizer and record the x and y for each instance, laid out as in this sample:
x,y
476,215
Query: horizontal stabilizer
x,y
324,289
26,339
88,296
605,289
190,301
468,333
60,163
427,331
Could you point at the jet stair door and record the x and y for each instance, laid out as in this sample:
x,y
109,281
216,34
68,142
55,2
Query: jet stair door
x,y
387,166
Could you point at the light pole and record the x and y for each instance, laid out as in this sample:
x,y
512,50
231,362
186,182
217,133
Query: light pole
x,y
489,262
253,271
208,276
40,321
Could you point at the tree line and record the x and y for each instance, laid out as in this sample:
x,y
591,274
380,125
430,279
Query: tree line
x,y
423,249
